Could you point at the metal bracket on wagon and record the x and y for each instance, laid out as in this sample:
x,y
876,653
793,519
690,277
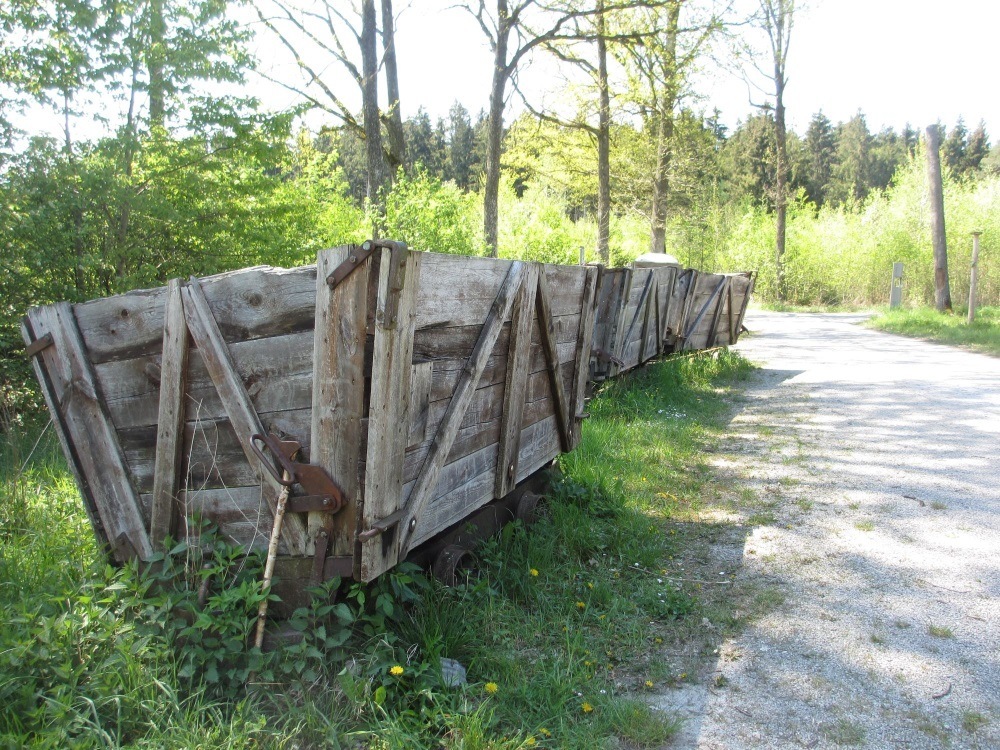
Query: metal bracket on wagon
x,y
322,493
357,258
604,356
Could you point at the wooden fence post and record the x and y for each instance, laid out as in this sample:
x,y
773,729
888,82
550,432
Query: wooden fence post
x,y
973,279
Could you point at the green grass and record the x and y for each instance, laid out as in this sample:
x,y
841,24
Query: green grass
x,y
563,627
945,328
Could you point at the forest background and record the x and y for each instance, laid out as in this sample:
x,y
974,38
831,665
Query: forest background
x,y
165,163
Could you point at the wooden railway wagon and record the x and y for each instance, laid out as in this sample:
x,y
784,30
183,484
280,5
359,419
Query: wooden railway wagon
x,y
372,401
656,308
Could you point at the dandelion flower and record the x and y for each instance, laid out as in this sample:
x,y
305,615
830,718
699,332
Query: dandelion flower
x,y
491,688
396,671
586,708
534,572
590,585
649,683
544,732
530,742
581,605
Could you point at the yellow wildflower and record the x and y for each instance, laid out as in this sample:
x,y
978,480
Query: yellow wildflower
x,y
396,671
590,585
581,605
649,683
534,572
544,732
491,688
586,708
530,742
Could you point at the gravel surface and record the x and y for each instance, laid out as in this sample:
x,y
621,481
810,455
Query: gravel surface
x,y
869,480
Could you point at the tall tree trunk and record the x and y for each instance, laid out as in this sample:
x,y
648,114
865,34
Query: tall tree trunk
x,y
378,172
942,289
395,139
603,143
155,64
665,133
494,133
661,181
780,182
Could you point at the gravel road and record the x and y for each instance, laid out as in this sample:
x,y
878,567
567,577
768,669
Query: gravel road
x,y
869,473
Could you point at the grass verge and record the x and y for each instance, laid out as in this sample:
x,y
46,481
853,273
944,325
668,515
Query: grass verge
x,y
566,628
945,328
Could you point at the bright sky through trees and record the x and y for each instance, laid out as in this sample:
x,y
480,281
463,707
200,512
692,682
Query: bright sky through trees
x,y
845,55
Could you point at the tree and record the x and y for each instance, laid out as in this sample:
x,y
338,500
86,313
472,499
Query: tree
x,y
942,289
346,37
513,32
849,180
821,144
777,17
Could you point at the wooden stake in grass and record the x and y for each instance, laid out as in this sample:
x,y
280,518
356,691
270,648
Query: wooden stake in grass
x,y
974,274
272,554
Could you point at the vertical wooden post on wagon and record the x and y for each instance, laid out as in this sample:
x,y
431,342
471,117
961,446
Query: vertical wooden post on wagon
x,y
896,290
973,276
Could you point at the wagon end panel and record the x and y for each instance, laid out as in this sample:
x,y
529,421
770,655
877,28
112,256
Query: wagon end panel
x,y
185,407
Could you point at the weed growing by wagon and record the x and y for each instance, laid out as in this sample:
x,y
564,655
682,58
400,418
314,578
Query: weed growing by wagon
x,y
96,656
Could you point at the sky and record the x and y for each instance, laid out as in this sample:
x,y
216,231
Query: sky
x,y
897,61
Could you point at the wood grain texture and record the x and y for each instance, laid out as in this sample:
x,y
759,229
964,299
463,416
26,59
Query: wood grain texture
x,y
88,429
251,303
389,409
426,483
338,390
239,408
581,369
547,329
515,391
168,470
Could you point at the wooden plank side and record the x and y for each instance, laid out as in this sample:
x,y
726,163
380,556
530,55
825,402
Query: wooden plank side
x,y
720,302
213,455
465,287
705,302
276,371
466,484
240,514
751,280
251,302
547,329
167,503
338,390
585,338
239,408
515,390
89,431
619,328
426,483
389,410
50,394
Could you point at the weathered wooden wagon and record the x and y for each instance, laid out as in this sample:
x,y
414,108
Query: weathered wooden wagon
x,y
396,391
372,401
656,308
